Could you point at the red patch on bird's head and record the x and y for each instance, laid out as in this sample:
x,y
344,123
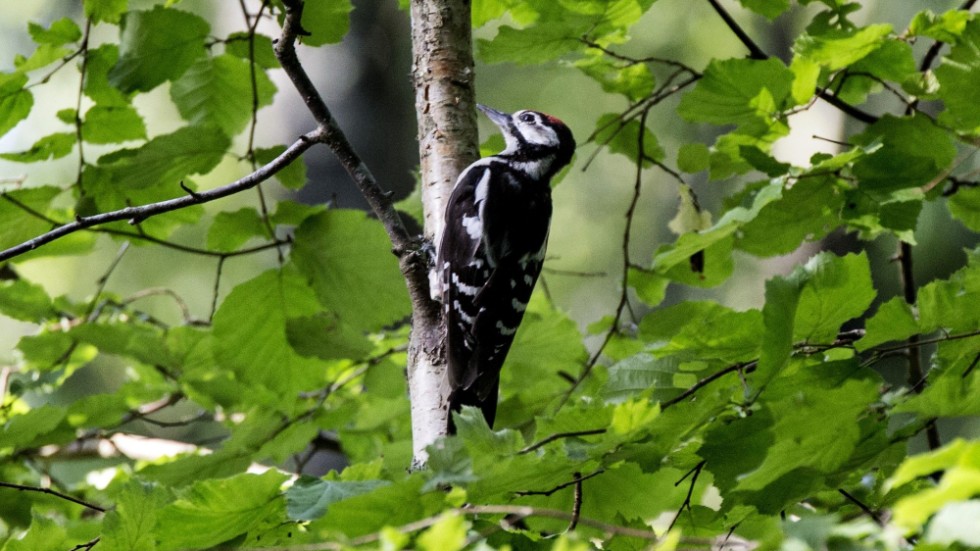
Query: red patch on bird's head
x,y
552,120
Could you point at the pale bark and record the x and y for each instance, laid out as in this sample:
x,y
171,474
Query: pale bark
x,y
442,73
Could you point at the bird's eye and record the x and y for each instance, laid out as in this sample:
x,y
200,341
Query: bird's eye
x,y
527,117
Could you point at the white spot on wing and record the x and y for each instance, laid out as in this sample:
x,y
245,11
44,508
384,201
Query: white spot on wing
x,y
462,315
470,290
480,194
504,330
518,305
474,227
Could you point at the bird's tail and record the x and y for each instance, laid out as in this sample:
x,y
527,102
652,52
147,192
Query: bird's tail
x,y
468,397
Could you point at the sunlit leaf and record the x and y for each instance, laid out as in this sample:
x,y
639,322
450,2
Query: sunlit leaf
x,y
204,516
156,46
218,91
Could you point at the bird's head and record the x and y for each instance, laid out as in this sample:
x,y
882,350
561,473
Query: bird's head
x,y
532,135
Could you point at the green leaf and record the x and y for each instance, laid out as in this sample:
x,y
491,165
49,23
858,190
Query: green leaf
x,y
53,146
109,11
692,157
770,9
538,44
913,152
44,55
389,505
635,81
326,20
292,176
624,138
249,343
323,336
964,205
837,290
958,75
97,86
218,91
103,410
26,428
893,321
958,461
732,92
778,315
61,32
18,225
948,394
447,534
893,60
141,342
345,257
310,498
800,404
214,511
230,230
131,523
156,46
737,446
237,44
837,49
44,534
650,288
946,27
168,159
15,100
291,213
105,124
25,301
806,74
485,11
702,331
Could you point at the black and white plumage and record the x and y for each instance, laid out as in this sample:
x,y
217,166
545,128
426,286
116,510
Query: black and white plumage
x,y
492,249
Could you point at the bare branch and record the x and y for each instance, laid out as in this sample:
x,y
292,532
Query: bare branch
x,y
139,213
332,135
559,436
55,493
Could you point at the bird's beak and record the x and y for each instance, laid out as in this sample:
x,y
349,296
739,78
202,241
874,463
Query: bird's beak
x,y
500,119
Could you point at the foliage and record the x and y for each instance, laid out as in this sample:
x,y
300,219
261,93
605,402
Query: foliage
x,y
689,425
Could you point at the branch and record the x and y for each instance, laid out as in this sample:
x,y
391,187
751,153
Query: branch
x,y
332,135
55,493
755,52
705,382
558,436
142,212
576,481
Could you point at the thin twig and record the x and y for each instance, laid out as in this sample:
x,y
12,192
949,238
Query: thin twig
x,y
78,107
693,473
559,436
55,493
705,382
867,510
577,501
136,214
577,479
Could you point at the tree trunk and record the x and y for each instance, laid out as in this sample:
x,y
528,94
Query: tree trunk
x,y
442,72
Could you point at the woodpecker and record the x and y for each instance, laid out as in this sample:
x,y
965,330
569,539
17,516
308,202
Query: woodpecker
x,y
492,248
